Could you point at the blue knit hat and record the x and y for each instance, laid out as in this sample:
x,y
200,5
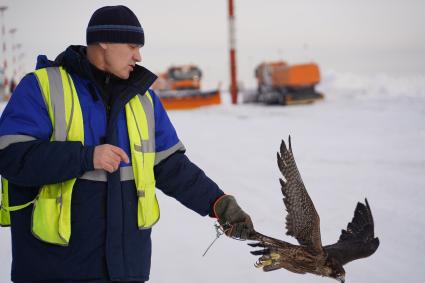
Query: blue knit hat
x,y
116,24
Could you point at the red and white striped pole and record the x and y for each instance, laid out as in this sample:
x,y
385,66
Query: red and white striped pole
x,y
16,73
232,46
21,64
12,32
3,36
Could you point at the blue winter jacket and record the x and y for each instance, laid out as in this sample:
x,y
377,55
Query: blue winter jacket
x,y
105,243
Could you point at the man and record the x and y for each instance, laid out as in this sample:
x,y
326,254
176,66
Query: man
x,y
82,176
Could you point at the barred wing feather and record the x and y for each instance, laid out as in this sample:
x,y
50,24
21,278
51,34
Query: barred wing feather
x,y
302,220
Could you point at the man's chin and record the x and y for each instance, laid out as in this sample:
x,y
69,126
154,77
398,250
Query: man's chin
x,y
123,76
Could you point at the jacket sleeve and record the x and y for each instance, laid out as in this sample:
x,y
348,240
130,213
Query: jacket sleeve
x,y
175,174
181,179
27,157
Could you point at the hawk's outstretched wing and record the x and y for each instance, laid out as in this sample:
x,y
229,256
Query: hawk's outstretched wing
x,y
358,240
302,220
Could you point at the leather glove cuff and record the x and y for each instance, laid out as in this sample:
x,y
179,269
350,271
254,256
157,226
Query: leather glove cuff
x,y
232,218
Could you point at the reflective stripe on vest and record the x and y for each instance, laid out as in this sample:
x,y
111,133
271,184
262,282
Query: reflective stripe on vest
x,y
51,220
141,132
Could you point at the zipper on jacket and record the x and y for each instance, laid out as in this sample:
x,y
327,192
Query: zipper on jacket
x,y
107,106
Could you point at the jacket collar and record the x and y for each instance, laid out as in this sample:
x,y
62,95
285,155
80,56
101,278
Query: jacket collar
x,y
74,60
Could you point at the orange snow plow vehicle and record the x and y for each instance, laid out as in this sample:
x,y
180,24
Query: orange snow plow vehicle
x,y
280,83
180,88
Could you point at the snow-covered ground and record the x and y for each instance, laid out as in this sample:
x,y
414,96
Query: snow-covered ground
x,y
366,139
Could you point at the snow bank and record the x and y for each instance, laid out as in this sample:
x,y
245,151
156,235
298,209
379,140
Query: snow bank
x,y
378,86
364,140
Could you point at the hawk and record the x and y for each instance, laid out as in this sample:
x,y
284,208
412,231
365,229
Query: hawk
x,y
303,223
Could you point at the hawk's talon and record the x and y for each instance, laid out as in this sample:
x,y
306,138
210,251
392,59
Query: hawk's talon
x,y
264,262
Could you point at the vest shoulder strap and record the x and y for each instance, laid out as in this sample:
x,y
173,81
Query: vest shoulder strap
x,y
62,102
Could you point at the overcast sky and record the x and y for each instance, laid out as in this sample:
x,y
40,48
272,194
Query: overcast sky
x,y
359,36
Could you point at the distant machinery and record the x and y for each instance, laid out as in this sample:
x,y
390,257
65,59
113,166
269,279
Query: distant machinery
x,y
281,83
180,88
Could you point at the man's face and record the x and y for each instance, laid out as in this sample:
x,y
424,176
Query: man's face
x,y
120,58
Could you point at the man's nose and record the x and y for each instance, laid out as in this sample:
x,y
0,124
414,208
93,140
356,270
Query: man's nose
x,y
137,56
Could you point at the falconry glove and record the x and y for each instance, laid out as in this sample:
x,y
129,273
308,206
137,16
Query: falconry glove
x,y
234,221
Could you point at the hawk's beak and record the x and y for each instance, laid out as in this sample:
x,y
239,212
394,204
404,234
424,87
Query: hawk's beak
x,y
341,279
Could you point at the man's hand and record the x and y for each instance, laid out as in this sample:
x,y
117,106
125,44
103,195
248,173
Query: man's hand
x,y
108,157
235,222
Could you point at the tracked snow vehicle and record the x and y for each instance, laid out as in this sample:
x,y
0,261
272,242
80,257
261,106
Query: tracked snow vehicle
x,y
180,88
284,84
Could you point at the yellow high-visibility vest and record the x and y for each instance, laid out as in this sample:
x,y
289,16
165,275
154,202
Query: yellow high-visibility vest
x,y
51,219
4,214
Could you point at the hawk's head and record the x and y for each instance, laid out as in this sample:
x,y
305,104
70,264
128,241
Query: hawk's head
x,y
336,270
